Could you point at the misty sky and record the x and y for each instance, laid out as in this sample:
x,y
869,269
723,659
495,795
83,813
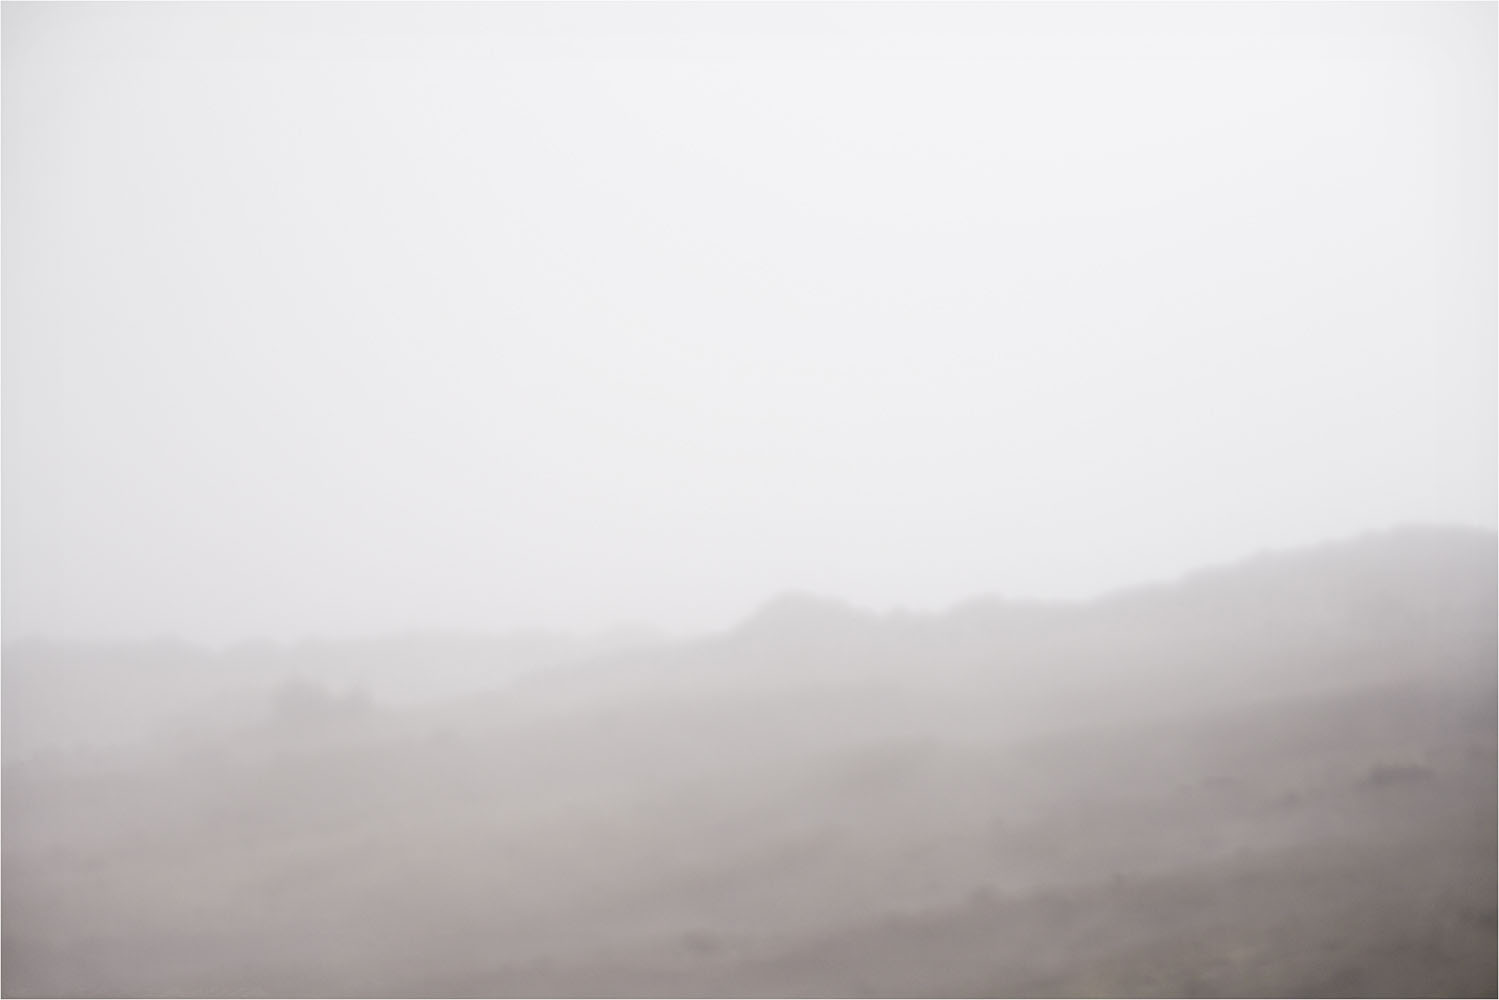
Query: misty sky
x,y
338,320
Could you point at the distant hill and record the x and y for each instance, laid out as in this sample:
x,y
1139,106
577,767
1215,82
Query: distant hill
x,y
60,696
1381,606
806,672
1274,778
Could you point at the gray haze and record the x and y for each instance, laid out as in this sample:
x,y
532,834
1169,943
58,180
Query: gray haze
x,y
749,500
1274,778
344,320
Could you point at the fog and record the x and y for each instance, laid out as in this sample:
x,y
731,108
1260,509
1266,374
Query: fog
x,y
1272,778
772,500
346,320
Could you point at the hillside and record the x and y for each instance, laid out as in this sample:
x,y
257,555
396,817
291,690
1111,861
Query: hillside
x,y
1273,778
104,698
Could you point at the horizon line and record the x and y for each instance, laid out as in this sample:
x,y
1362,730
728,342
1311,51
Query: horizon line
x,y
659,635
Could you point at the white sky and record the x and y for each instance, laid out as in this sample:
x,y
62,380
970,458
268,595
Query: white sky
x,y
346,319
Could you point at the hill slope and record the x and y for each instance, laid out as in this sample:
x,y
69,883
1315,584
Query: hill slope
x,y
1270,779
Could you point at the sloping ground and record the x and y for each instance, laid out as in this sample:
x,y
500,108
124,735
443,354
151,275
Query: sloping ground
x,y
1337,846
1278,781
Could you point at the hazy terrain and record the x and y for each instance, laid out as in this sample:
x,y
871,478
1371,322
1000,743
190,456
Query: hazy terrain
x,y
782,499
1272,778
